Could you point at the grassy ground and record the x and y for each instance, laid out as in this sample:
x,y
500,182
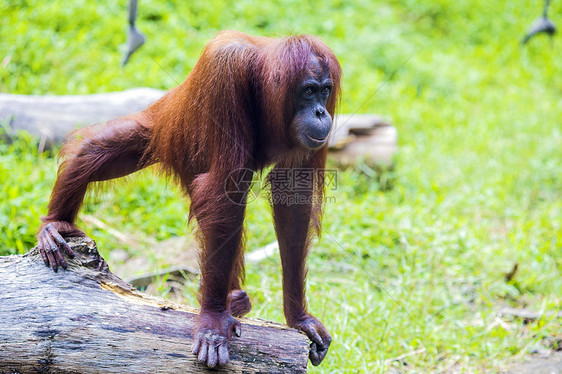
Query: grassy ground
x,y
417,270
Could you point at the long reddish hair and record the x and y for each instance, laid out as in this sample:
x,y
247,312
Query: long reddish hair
x,y
233,111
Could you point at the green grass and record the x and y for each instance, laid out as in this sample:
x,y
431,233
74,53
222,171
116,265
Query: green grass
x,y
477,184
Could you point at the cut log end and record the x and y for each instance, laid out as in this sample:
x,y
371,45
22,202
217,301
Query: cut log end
x,y
88,320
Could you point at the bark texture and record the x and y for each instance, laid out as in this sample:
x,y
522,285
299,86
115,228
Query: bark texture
x,y
87,320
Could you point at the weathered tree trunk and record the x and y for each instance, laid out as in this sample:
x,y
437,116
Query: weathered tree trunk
x,y
87,320
52,117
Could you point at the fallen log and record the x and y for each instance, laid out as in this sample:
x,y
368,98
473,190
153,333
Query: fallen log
x,y
52,117
88,320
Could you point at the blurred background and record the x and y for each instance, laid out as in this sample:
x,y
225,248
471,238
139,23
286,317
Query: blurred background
x,y
409,278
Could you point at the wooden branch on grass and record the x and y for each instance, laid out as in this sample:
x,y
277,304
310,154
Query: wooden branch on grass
x,y
88,320
528,314
52,117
